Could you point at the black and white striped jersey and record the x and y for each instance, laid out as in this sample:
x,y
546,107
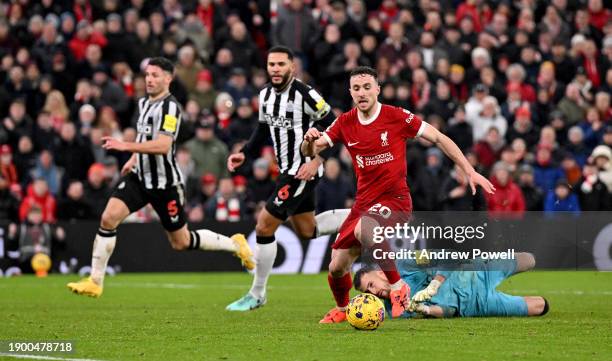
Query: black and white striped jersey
x,y
289,114
163,116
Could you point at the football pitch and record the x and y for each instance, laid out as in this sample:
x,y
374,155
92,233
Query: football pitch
x,y
181,316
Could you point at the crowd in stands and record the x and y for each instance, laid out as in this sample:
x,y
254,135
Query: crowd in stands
x,y
523,87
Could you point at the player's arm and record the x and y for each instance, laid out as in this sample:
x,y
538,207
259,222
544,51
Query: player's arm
x,y
251,148
314,143
127,167
453,152
160,145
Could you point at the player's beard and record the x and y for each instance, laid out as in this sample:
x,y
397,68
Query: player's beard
x,y
283,84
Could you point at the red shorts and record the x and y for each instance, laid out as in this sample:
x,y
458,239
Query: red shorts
x,y
386,212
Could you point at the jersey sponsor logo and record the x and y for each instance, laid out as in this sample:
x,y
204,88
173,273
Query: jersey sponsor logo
x,y
410,116
384,138
359,160
170,123
145,129
278,121
371,160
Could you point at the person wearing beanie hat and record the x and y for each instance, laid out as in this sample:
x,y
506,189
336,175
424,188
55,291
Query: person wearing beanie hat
x,y
561,199
534,197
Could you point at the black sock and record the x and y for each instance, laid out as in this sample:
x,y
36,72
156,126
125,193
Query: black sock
x,y
107,232
265,239
546,307
194,240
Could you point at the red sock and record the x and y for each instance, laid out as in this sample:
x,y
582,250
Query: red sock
x,y
387,265
340,287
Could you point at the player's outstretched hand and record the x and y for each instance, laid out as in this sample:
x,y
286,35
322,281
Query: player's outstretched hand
x,y
234,161
476,179
428,292
110,143
312,134
308,170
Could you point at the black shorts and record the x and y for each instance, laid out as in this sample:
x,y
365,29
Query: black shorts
x,y
168,203
292,196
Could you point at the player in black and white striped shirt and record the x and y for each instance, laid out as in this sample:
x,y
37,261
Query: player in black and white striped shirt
x,y
287,109
152,176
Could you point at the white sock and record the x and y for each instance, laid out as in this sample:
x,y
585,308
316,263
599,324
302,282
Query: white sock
x,y
397,285
329,222
104,244
265,255
210,241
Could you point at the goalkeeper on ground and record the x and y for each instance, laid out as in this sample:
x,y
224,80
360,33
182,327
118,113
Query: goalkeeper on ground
x,y
440,289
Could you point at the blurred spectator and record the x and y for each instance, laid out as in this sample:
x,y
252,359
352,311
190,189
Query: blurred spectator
x,y
523,127
508,197
222,67
459,130
74,206
260,187
488,149
593,128
561,199
426,188
47,170
72,153
84,36
395,46
333,191
455,194
592,192
575,146
142,44
243,124
9,204
225,205
534,197
111,94
56,107
238,86
18,122
35,235
546,172
188,67
96,189
488,117
244,51
38,195
207,151
571,105
204,93
7,168
295,27
602,158
339,69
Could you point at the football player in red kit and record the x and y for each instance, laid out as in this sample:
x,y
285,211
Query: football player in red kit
x,y
375,135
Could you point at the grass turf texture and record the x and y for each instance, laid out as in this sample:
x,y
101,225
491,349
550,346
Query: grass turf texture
x,y
182,317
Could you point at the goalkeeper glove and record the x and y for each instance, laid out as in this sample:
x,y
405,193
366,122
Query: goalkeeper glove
x,y
427,293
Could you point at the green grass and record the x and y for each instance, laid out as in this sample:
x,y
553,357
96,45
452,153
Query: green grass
x,y
182,317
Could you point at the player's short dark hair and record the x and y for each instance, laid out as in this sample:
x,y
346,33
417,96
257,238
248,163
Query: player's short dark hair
x,y
163,63
364,70
282,49
360,272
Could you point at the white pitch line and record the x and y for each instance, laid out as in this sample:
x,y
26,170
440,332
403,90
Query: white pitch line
x,y
41,357
563,292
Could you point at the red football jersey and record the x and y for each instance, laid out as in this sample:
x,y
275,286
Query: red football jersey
x,y
378,149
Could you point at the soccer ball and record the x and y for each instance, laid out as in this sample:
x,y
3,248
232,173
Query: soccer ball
x,y
365,312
